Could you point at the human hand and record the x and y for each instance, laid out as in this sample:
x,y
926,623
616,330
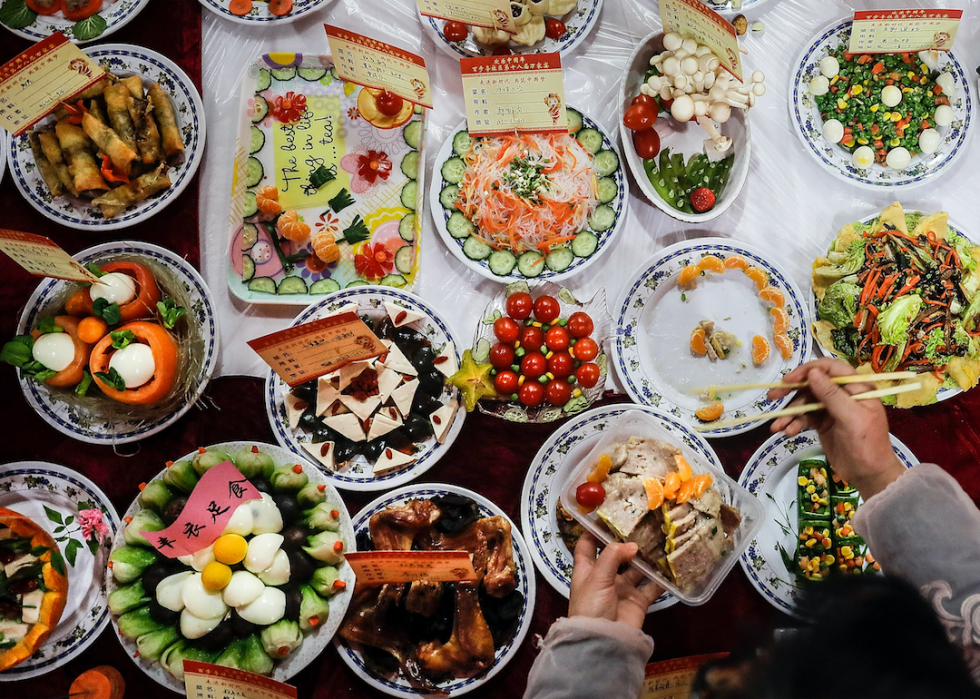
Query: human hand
x,y
599,591
854,434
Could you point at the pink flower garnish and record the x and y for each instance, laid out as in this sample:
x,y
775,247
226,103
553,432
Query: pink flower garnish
x,y
92,524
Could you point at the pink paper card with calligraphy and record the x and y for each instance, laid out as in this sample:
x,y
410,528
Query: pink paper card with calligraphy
x,y
904,31
207,512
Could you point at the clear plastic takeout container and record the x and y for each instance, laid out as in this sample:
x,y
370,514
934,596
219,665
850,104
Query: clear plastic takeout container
x,y
643,424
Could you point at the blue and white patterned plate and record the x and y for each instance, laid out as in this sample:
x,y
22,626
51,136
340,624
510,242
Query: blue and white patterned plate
x,y
4,145
655,319
727,8
397,685
370,301
578,24
31,488
770,475
48,298
836,160
539,497
440,214
123,60
260,15
116,13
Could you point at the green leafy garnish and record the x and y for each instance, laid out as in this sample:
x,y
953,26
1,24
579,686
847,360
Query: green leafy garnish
x,y
89,28
82,388
47,326
122,338
109,312
170,312
94,269
526,177
321,176
341,201
111,379
17,352
16,14
58,562
357,231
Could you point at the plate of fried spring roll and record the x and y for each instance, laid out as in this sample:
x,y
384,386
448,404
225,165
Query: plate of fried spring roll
x,y
118,152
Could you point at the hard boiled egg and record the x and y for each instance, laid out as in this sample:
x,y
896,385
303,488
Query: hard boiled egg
x,y
891,96
243,589
819,86
241,521
833,130
930,58
829,67
54,350
863,157
929,141
194,627
169,591
200,601
134,363
262,552
898,158
265,515
948,83
944,115
114,287
267,609
278,572
199,561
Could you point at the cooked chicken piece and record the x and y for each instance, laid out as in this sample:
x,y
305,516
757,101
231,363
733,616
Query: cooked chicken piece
x,y
424,598
491,535
395,528
469,649
718,343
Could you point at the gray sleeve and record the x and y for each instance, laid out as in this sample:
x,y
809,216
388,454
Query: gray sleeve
x,y
583,658
924,529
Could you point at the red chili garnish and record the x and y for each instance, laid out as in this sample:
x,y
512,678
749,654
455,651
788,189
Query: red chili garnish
x,y
440,360
323,452
75,112
388,453
335,514
400,317
142,487
169,464
297,469
127,520
314,620
338,546
110,173
255,449
321,487
339,585
289,108
201,450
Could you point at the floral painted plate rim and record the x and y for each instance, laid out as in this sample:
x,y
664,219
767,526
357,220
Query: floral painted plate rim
x,y
564,46
74,488
807,123
260,14
527,586
189,110
662,267
763,567
275,387
60,416
4,145
117,15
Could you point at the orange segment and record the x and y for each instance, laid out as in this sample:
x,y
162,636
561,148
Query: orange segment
x,y
685,492
688,275
701,483
710,263
774,296
781,320
710,413
655,493
736,262
759,276
671,484
684,469
760,350
784,344
600,471
697,341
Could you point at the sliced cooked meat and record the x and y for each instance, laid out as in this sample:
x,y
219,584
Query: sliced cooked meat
x,y
625,503
649,458
730,519
691,562
649,536
709,503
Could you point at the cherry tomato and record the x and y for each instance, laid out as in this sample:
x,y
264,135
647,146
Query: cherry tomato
x,y
546,309
389,103
531,394
519,305
501,356
561,365
580,324
505,382
554,28
639,117
590,495
647,143
556,338
506,329
533,365
665,104
587,375
531,338
455,31
586,349
558,392
645,99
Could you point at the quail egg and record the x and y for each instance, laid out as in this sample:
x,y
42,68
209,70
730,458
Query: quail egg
x,y
833,130
134,363
278,572
114,287
891,96
819,86
944,115
898,158
929,141
863,157
829,67
194,627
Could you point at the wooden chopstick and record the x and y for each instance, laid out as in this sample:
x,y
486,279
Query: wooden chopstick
x,y
807,408
839,380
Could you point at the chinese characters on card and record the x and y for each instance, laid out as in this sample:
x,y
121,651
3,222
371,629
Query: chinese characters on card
x,y
904,31
395,567
694,19
42,257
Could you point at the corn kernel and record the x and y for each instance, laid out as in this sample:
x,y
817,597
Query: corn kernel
x,y
834,79
841,103
811,543
874,107
802,481
906,89
536,324
895,117
549,375
814,498
577,392
548,356
863,141
856,90
847,552
911,74
520,380
924,81
848,143
808,530
895,142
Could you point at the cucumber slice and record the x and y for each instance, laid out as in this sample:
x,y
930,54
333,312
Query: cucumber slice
x,y
608,190
459,226
406,227
606,163
590,139
531,263
261,109
250,233
357,282
410,165
395,280
248,268
256,140
404,257
585,244
313,75
254,172
501,262
417,109
574,120
324,286
602,219
250,206
413,134
409,195
291,285
265,80
476,249
264,285
481,353
449,196
453,170
284,74
559,259
462,143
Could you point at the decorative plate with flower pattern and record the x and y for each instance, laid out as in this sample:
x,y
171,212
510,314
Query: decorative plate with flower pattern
x,y
79,516
260,14
114,15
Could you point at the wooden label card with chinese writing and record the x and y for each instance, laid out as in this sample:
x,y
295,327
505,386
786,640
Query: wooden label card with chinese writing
x,y
396,567
476,13
34,83
306,352
206,681
375,64
904,31
693,19
42,257
673,679
207,512
507,94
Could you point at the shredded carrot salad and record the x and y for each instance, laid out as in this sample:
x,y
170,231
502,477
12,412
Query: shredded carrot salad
x,y
528,192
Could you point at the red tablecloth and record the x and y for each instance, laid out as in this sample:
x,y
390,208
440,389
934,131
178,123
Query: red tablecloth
x,y
490,456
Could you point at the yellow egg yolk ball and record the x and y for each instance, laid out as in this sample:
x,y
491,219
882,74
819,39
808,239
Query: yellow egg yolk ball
x,y
230,549
215,576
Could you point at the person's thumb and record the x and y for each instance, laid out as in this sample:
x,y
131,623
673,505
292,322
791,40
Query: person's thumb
x,y
837,400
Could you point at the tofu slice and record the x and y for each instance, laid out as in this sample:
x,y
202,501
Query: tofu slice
x,y
350,372
404,395
388,381
346,308
390,460
362,408
18,563
294,409
401,316
31,604
397,361
322,452
446,361
383,423
326,393
442,420
6,533
13,631
348,425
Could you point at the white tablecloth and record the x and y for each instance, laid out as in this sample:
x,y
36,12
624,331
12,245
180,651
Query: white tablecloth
x,y
790,207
